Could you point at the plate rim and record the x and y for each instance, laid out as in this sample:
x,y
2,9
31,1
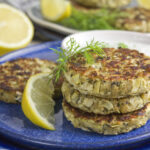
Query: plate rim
x,y
37,142
48,24
31,48
130,33
28,140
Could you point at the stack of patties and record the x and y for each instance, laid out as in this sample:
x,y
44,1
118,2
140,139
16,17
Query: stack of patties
x,y
109,96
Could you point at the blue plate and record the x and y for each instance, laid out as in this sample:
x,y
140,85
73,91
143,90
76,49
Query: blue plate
x,y
15,126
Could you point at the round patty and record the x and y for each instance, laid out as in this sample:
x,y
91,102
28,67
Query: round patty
x,y
137,20
14,75
103,106
120,73
104,3
107,124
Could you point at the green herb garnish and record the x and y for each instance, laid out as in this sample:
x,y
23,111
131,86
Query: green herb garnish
x,y
122,45
99,19
73,48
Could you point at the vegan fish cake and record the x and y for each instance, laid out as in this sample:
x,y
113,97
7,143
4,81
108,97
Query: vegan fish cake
x,y
107,124
14,75
103,106
120,73
137,20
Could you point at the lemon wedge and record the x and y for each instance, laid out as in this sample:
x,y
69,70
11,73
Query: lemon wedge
x,y
16,30
55,10
37,103
144,3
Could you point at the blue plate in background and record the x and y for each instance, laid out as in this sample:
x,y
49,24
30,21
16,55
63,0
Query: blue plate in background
x,y
15,126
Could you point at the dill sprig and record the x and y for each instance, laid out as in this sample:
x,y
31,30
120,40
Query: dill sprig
x,y
74,48
122,45
96,19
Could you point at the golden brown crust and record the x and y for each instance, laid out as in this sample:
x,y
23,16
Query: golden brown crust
x,y
138,19
107,124
103,106
14,74
119,64
121,73
108,118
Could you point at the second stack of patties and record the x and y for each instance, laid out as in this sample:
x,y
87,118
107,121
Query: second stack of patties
x,y
110,96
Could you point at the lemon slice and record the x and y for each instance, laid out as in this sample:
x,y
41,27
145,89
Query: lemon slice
x,y
144,3
37,103
55,10
16,30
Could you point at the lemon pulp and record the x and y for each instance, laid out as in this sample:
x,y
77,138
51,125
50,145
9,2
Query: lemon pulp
x,y
55,10
37,104
16,30
144,3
